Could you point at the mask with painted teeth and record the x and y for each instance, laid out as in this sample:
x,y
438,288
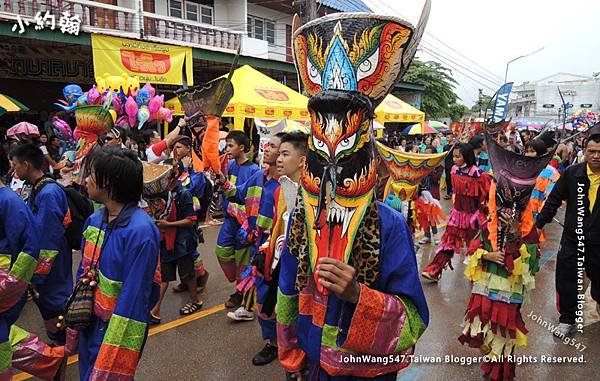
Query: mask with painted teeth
x,y
348,64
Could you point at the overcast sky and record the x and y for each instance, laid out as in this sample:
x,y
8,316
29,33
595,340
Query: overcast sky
x,y
492,32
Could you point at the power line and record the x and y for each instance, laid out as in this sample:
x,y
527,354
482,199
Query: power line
x,y
432,47
453,67
495,83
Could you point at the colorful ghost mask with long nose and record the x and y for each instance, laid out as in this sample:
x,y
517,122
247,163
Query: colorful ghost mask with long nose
x,y
348,63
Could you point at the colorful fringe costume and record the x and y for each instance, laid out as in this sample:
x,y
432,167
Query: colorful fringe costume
x,y
428,212
467,217
494,323
543,186
493,318
128,286
336,215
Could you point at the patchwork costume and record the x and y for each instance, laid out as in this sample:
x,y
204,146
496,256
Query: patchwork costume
x,y
53,277
233,254
347,63
18,261
128,287
258,196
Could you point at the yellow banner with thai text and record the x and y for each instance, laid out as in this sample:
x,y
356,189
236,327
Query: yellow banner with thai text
x,y
150,62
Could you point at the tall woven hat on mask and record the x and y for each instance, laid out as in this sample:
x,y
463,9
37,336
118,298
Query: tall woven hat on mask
x,y
347,63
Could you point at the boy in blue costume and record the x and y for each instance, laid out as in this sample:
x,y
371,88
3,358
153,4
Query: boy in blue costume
x,y
53,277
234,255
258,196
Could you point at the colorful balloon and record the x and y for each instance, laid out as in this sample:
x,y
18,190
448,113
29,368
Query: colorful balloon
x,y
72,92
93,95
164,114
151,89
156,103
143,97
143,115
131,109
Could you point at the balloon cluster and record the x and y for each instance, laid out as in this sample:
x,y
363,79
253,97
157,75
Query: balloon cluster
x,y
582,119
129,105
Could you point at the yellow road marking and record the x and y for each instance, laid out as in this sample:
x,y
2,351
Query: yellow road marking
x,y
153,331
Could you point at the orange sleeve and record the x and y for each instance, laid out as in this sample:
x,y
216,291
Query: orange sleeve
x,y
210,144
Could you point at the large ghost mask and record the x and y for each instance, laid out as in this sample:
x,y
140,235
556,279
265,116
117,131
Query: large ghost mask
x,y
347,62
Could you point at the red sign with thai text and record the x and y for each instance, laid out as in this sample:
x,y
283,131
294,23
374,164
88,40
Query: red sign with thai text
x,y
147,63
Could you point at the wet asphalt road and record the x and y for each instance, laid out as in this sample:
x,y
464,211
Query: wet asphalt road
x,y
209,346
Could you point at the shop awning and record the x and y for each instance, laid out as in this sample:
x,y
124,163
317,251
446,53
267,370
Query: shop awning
x,y
395,110
257,95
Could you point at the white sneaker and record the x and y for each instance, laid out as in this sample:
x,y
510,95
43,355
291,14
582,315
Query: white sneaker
x,y
436,240
424,240
241,315
563,330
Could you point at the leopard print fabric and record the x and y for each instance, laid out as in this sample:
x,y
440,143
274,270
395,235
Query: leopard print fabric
x,y
365,258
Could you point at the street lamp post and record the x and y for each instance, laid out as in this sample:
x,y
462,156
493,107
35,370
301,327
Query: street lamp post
x,y
518,58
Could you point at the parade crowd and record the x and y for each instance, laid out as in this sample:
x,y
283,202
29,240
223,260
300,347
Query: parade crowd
x,y
317,242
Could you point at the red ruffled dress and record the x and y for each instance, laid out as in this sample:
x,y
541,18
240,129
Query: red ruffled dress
x,y
468,216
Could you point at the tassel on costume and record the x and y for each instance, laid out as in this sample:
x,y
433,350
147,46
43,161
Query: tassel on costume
x,y
496,328
441,260
499,370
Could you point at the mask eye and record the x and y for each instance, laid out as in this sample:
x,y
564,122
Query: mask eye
x,y
368,66
320,145
313,73
345,144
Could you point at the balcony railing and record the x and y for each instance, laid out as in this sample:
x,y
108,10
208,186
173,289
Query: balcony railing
x,y
109,19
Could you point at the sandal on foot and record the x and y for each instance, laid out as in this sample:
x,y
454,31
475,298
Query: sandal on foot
x,y
153,320
180,288
191,307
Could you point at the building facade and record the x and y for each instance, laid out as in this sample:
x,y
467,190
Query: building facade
x,y
36,63
541,99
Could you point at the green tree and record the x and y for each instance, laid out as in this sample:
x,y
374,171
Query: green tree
x,y
457,111
439,98
485,101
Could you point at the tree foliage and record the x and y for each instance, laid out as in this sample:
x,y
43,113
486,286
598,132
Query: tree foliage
x,y
485,102
439,99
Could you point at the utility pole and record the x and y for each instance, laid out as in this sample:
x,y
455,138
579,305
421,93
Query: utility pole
x,y
480,101
306,9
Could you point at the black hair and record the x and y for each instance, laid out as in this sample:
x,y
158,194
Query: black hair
x,y
476,141
240,138
595,138
30,153
147,135
467,152
299,140
280,134
538,146
432,148
4,163
119,172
